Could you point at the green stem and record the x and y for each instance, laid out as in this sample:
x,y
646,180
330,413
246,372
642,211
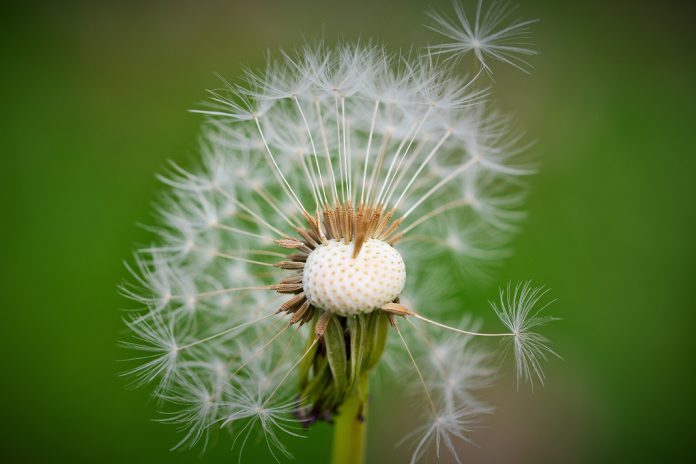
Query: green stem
x,y
350,426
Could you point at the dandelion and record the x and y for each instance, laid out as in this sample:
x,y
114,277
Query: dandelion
x,y
277,283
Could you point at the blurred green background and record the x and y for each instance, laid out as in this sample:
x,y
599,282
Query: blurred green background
x,y
93,104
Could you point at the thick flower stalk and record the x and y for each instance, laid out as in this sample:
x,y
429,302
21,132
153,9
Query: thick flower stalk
x,y
344,194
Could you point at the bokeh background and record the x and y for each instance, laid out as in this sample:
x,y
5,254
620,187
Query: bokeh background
x,y
93,103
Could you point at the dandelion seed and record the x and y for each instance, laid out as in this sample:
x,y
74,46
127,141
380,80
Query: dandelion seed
x,y
518,310
340,191
197,405
443,429
487,35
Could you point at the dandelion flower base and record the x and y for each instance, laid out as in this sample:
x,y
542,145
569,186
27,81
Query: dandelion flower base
x,y
339,283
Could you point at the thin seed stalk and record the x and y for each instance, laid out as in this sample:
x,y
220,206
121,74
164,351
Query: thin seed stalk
x,y
350,426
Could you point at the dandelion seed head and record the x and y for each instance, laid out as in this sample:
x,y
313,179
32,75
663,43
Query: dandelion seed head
x,y
277,277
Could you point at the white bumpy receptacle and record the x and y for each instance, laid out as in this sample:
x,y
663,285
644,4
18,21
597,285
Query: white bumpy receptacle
x,y
335,281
